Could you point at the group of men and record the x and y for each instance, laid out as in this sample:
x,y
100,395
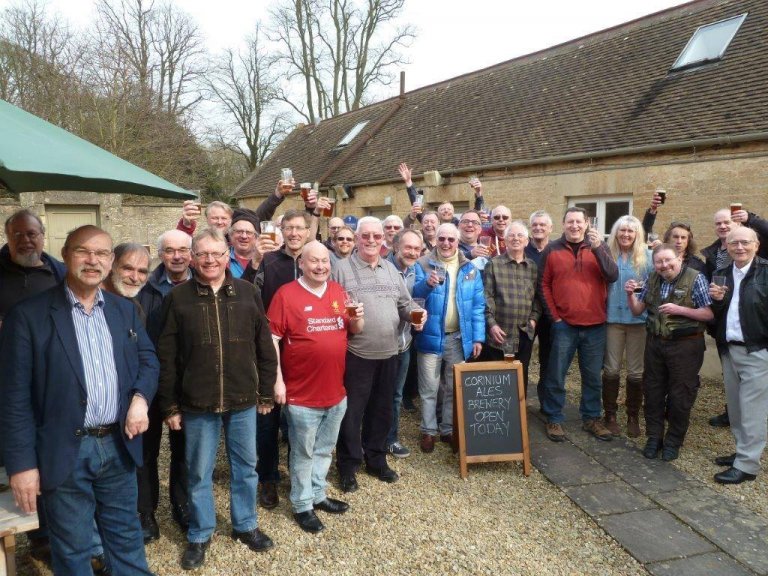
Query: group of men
x,y
99,353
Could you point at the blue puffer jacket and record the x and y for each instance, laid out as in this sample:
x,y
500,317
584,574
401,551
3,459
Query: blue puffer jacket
x,y
470,304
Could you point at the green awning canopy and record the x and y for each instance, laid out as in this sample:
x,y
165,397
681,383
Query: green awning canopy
x,y
36,155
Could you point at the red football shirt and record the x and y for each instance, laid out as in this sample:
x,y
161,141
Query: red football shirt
x,y
313,332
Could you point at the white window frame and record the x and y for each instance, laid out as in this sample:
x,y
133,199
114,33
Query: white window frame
x,y
356,129
684,61
600,202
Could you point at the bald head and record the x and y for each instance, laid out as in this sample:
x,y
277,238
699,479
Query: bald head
x,y
315,263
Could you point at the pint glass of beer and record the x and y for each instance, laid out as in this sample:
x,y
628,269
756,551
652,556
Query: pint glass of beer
x,y
735,207
417,314
328,211
268,229
350,304
305,188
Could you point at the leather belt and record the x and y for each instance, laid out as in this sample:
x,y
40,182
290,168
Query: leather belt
x,y
676,338
98,431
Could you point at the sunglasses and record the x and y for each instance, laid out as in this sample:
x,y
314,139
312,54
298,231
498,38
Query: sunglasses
x,y
369,235
448,239
344,239
500,217
392,227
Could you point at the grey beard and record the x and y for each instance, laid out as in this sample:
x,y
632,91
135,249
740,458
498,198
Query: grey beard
x,y
30,260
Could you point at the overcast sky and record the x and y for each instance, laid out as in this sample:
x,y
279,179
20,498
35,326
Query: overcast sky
x,y
454,36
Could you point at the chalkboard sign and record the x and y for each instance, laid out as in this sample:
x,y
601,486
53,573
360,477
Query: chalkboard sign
x,y
490,414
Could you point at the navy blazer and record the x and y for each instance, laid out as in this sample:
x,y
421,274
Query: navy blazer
x,y
43,381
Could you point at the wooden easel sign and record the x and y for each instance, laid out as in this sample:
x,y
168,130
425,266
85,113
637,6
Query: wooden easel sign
x,y
491,414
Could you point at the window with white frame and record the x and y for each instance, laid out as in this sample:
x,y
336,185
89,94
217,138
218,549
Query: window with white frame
x,y
607,209
709,42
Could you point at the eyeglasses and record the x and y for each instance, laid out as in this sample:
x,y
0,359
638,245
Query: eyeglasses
x,y
448,239
207,255
248,233
500,217
392,227
369,235
171,251
81,252
740,242
31,235
519,236
334,228
344,239
467,222
294,228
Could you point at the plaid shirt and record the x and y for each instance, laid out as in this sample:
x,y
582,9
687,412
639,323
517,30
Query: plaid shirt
x,y
510,297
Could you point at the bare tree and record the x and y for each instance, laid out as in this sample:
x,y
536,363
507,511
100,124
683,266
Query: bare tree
x,y
160,47
247,92
339,50
38,58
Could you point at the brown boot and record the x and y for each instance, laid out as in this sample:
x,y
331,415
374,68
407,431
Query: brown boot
x,y
610,405
634,402
612,425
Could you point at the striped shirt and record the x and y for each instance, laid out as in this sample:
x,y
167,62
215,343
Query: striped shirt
x,y
94,341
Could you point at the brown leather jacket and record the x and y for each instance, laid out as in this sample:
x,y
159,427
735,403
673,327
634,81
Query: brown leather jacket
x,y
216,352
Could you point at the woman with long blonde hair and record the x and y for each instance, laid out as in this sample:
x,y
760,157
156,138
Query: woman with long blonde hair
x,y
625,332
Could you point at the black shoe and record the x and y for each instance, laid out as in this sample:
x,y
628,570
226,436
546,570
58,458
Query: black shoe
x,y
725,460
408,405
652,448
733,476
268,497
256,540
332,506
348,483
309,522
721,420
385,473
194,555
180,514
669,453
149,528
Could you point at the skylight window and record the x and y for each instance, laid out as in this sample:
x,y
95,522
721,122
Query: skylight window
x,y
709,43
351,134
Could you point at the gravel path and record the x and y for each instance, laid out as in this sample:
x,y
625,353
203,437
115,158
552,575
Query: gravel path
x,y
432,522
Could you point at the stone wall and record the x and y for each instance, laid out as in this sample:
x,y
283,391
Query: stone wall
x,y
698,182
126,218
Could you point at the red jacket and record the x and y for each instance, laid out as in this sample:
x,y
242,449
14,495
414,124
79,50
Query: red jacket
x,y
574,287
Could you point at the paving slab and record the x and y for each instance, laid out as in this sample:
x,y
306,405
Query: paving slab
x,y
536,434
565,465
608,498
739,532
647,476
714,564
654,535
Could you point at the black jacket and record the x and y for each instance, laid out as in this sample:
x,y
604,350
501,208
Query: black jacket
x,y
276,269
753,305
215,350
18,283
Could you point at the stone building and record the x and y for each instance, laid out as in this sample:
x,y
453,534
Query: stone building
x,y
126,217
677,99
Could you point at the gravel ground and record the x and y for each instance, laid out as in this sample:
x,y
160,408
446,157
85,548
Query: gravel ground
x,y
495,522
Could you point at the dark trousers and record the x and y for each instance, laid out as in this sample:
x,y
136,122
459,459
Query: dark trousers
x,y
267,445
524,350
670,386
148,477
370,385
543,331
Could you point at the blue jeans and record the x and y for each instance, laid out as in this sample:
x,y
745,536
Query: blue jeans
x,y
312,434
403,360
202,441
102,484
589,341
431,366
